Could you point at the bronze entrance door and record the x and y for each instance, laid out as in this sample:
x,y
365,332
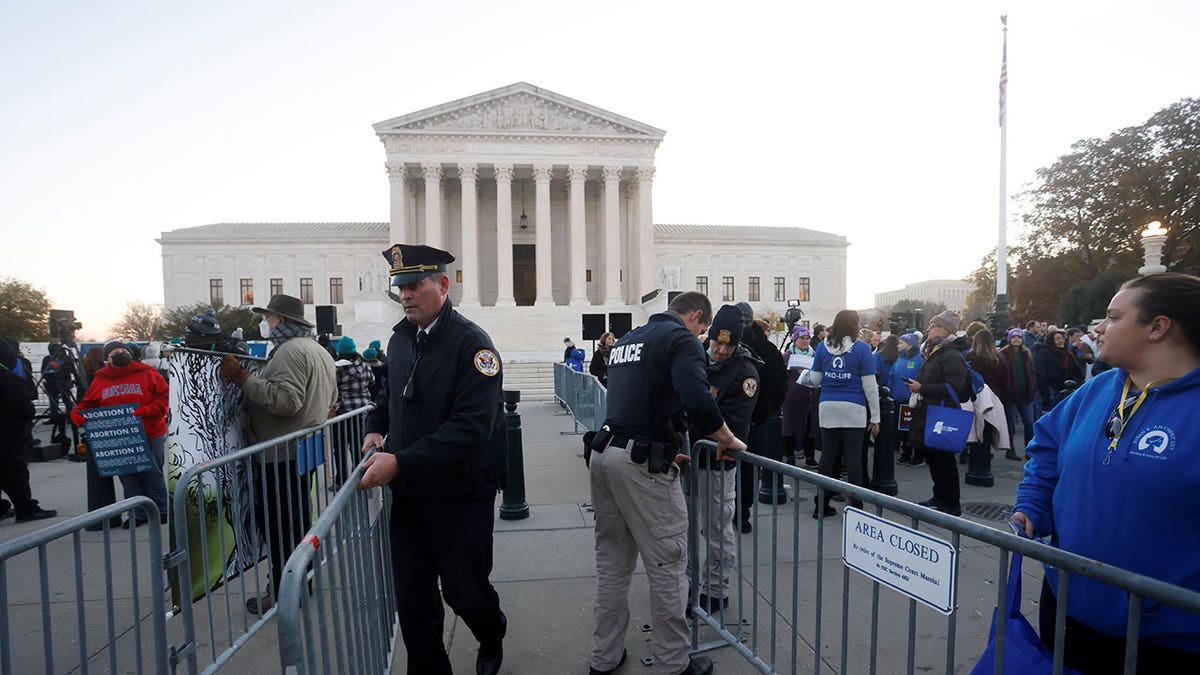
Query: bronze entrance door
x,y
524,274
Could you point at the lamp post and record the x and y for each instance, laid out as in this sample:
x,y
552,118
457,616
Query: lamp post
x,y
1153,238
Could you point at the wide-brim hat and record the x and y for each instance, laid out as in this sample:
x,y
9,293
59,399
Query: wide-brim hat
x,y
411,263
288,307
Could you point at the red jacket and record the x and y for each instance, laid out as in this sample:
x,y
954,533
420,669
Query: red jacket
x,y
136,383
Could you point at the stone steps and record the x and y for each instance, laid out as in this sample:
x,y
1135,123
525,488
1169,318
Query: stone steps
x,y
534,379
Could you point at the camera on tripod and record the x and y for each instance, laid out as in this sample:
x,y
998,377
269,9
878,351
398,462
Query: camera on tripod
x,y
63,326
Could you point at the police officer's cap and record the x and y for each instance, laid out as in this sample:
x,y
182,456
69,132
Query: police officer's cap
x,y
411,263
726,327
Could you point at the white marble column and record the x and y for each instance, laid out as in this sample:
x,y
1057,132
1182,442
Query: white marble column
x,y
433,204
647,262
612,235
504,245
469,255
578,268
541,179
399,230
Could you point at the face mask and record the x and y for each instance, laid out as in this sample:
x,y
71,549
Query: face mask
x,y
264,328
121,360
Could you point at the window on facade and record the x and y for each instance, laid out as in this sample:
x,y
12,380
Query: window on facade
x,y
306,290
754,289
780,289
335,291
216,292
276,287
246,291
802,294
727,289
702,285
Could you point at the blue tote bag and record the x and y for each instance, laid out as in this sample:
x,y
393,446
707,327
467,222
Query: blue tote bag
x,y
1024,651
947,428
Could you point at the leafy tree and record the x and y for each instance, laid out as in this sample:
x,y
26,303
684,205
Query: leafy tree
x,y
1088,300
24,310
982,300
907,309
175,321
141,321
1083,215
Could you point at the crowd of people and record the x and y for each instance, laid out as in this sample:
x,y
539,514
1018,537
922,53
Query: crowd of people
x,y
1105,414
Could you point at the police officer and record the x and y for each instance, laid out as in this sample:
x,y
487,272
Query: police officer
x,y
444,447
733,383
656,373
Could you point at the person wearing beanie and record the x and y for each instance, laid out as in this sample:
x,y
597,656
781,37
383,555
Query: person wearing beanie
x,y
733,379
799,428
907,365
947,320
944,371
354,381
378,347
16,435
378,370
123,381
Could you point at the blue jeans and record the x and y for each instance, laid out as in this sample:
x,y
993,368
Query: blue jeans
x,y
1025,411
149,483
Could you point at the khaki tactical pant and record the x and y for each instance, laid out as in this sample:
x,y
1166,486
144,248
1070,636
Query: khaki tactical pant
x,y
639,512
716,490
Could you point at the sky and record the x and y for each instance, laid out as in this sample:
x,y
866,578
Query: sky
x,y
876,120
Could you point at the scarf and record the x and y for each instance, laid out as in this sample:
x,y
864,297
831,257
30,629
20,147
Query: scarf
x,y
288,330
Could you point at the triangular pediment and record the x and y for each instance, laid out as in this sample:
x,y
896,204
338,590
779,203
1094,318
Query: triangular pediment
x,y
519,109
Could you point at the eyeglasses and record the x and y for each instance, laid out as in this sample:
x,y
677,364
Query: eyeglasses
x,y
1115,425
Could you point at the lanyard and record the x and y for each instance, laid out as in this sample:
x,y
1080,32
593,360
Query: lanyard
x,y
1117,423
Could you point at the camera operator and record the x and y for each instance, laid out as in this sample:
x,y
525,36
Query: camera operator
x,y
58,372
16,435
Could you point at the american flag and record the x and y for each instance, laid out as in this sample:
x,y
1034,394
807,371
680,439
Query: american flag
x,y
1004,78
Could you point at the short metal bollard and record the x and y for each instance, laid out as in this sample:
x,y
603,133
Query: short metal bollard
x,y
513,507
883,478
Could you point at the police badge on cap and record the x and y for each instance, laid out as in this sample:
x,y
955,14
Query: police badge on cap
x,y
726,327
411,263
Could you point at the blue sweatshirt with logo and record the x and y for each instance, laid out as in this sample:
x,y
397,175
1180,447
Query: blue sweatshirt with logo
x,y
1140,511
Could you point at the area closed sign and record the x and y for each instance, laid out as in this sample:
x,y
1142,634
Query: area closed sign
x,y
911,562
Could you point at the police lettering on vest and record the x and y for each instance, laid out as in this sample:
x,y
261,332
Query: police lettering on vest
x,y
630,353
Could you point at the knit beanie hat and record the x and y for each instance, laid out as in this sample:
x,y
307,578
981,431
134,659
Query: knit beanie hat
x,y
375,344
1015,332
800,331
113,345
346,346
370,353
948,319
912,339
726,327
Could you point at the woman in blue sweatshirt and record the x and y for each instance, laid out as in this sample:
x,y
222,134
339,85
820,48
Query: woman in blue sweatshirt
x,y
1114,475
844,369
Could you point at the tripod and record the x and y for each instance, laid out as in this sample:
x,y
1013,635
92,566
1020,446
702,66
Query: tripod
x,y
71,394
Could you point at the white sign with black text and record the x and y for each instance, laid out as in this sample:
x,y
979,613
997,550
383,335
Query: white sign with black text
x,y
911,562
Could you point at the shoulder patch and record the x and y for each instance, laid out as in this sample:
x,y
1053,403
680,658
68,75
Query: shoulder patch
x,y
487,362
749,387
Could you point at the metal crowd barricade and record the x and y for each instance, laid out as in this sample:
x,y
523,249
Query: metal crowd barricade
x,y
341,617
778,600
581,394
120,627
244,513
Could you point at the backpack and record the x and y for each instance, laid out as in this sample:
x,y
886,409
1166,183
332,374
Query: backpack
x,y
53,367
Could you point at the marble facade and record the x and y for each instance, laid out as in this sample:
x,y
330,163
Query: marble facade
x,y
461,176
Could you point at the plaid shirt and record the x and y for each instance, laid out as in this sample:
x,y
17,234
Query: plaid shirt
x,y
354,379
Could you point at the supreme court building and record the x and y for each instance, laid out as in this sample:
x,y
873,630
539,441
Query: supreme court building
x,y
547,205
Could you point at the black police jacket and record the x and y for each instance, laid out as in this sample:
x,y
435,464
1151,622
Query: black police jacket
x,y
656,372
772,374
734,385
448,433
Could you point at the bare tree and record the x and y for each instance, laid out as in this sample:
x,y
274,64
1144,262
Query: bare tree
x,y
141,321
